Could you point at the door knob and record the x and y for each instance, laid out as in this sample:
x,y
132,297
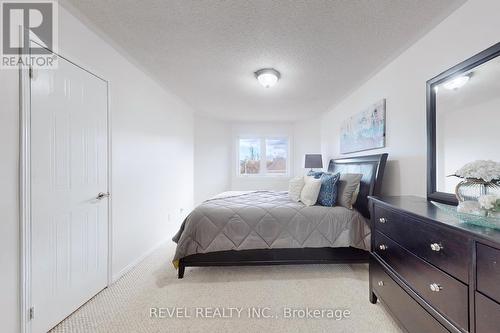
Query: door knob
x,y
102,195
383,247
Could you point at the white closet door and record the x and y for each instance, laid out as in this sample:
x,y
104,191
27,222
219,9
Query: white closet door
x,y
69,159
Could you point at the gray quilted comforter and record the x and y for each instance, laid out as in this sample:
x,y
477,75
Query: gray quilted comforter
x,y
267,220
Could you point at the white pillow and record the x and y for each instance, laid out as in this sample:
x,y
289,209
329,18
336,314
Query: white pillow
x,y
310,192
295,186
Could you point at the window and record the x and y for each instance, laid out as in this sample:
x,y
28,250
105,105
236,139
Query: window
x,y
263,156
249,156
276,156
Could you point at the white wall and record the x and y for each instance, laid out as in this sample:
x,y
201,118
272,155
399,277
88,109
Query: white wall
x,y
216,154
472,28
212,154
152,159
464,135
307,140
9,236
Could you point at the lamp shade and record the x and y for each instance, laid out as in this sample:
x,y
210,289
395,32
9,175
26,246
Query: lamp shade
x,y
313,161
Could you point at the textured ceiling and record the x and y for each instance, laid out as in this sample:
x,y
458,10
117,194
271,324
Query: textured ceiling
x,y
206,51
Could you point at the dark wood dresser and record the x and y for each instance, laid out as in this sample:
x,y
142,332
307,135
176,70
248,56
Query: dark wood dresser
x,y
433,272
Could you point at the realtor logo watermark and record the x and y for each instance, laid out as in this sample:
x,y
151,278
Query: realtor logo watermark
x,y
249,312
29,33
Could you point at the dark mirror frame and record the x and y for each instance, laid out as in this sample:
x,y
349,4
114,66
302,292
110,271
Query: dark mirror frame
x,y
478,59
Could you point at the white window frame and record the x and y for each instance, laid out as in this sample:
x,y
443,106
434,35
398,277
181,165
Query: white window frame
x,y
263,165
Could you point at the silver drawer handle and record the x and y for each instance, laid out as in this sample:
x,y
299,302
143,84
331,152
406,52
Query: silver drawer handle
x,y
102,195
383,247
382,220
435,287
436,247
381,283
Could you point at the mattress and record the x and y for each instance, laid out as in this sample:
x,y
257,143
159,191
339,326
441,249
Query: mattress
x,y
267,220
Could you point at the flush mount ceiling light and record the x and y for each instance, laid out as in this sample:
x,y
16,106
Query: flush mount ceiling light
x,y
457,82
267,77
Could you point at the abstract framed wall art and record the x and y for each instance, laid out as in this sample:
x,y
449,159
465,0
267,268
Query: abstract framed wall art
x,y
364,130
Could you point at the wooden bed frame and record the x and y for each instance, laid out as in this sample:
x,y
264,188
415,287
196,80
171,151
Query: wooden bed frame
x,y
372,167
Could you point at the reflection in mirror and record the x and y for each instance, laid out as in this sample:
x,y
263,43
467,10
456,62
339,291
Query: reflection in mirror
x,y
467,128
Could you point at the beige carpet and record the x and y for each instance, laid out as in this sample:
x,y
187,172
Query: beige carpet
x,y
126,305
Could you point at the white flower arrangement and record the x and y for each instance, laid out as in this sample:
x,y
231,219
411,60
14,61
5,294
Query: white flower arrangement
x,y
484,170
490,202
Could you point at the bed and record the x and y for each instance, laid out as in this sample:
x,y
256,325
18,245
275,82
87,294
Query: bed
x,y
267,228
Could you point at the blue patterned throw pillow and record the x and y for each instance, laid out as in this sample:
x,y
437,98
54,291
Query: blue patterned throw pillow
x,y
328,192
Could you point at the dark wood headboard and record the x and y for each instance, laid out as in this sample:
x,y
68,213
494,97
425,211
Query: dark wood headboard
x,y
371,167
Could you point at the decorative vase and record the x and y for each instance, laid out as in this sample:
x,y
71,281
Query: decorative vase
x,y
470,189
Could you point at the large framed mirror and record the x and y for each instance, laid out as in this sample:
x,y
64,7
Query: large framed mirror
x,y
463,112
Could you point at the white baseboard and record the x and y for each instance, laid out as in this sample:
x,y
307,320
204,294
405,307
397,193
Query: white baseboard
x,y
137,261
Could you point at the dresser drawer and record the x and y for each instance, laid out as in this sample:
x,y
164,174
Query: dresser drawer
x,y
488,271
487,315
444,293
444,249
414,318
